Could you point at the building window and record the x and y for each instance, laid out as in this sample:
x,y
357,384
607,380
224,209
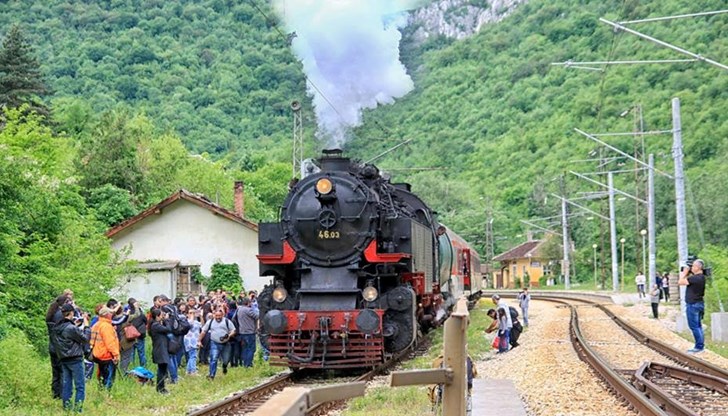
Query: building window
x,y
186,284
535,264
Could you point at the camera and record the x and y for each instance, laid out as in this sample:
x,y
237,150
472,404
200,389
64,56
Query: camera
x,y
707,271
224,338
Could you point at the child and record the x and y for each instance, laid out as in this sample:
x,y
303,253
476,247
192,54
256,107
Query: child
x,y
502,334
655,299
191,343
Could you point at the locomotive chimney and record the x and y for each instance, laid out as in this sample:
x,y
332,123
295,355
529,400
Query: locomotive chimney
x,y
333,159
239,196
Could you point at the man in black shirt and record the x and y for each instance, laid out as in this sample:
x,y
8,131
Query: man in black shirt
x,y
694,279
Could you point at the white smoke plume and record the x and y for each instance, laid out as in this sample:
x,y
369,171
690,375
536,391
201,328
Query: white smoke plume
x,y
350,51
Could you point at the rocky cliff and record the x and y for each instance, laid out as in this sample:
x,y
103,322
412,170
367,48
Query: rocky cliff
x,y
457,18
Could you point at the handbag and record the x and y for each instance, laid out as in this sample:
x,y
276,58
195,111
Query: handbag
x,y
173,345
496,342
131,333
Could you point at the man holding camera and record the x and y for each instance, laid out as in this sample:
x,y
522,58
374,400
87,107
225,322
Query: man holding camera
x,y
694,278
220,329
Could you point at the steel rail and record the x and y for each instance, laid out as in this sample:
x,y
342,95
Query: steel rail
x,y
657,345
664,349
636,399
664,399
633,394
221,407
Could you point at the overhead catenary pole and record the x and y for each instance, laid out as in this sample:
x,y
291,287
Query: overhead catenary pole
x,y
566,264
682,229
651,219
565,231
613,233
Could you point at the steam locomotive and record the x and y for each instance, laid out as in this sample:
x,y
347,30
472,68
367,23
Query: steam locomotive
x,y
359,266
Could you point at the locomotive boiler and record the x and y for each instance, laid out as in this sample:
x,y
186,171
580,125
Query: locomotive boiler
x,y
358,266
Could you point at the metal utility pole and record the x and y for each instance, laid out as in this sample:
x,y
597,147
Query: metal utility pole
x,y
613,232
489,244
651,216
565,232
297,139
566,264
682,229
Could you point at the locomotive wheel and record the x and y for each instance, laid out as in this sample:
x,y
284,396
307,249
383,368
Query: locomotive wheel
x,y
401,325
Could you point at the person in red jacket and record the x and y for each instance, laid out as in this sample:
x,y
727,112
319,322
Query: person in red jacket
x,y
105,347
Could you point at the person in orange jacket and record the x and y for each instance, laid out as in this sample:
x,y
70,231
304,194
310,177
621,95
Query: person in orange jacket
x,y
105,347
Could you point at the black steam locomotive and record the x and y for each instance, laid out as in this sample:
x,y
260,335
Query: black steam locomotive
x,y
358,266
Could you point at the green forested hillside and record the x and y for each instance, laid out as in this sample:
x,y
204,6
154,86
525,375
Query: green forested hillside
x,y
499,118
213,71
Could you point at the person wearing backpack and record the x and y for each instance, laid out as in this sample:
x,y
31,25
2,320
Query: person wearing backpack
x,y
516,329
180,326
221,331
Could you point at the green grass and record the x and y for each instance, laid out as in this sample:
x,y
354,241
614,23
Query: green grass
x,y
414,400
25,387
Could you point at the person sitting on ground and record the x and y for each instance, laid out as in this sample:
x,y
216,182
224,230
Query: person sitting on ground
x,y
435,392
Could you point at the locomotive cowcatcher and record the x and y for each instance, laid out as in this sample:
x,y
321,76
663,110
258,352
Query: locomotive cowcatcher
x,y
359,265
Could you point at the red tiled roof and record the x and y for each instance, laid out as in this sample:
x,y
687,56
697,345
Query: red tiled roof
x,y
529,248
196,199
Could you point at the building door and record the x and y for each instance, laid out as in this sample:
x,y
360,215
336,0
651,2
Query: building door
x,y
186,284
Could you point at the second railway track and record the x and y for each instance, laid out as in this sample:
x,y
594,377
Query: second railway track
x,y
654,389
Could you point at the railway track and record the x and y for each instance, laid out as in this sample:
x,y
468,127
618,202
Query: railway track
x,y
654,389
247,401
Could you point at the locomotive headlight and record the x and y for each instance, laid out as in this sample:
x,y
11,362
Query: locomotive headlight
x,y
280,294
324,186
369,293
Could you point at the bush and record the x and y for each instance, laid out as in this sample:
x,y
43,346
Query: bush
x,y
226,277
25,375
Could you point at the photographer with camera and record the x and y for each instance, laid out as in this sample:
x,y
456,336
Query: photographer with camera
x,y
221,330
693,276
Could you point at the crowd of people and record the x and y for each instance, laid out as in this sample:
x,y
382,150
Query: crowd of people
x,y
212,329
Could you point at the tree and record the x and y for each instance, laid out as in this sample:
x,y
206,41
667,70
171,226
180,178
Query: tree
x,y
21,81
